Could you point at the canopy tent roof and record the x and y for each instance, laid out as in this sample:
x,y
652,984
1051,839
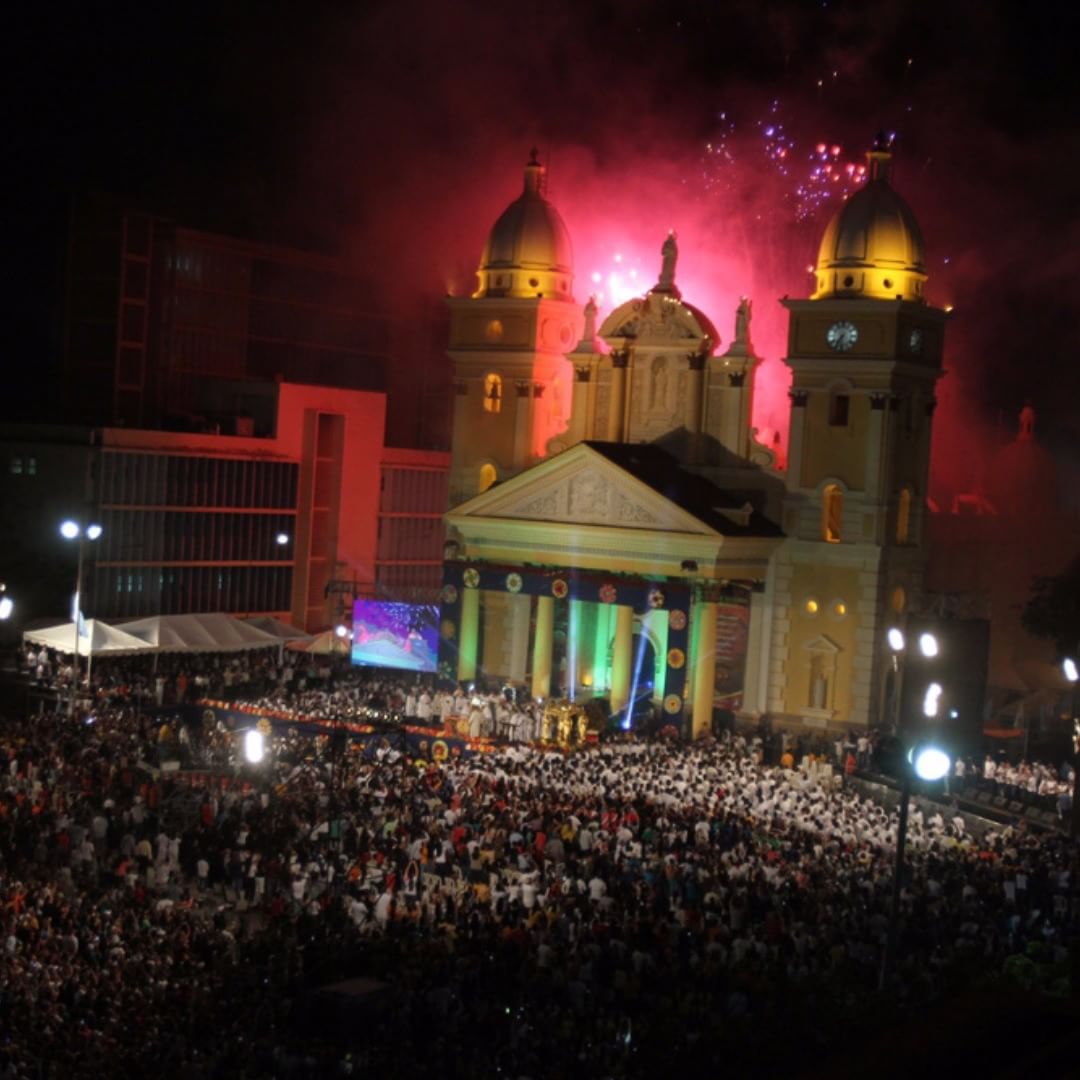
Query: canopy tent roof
x,y
97,639
325,644
280,630
214,632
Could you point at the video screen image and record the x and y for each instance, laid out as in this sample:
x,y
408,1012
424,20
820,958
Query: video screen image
x,y
393,635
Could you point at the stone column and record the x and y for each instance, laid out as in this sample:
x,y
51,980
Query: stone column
x,y
695,403
575,647
520,610
579,415
758,635
522,422
470,635
460,488
622,658
542,647
704,684
795,437
620,360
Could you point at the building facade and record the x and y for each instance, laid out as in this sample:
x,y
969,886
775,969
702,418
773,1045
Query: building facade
x,y
615,529
286,523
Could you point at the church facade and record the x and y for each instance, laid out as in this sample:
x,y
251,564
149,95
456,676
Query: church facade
x,y
615,529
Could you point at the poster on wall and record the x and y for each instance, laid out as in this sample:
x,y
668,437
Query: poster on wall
x,y
395,635
732,627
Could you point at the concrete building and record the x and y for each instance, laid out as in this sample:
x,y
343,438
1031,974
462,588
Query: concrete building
x,y
284,523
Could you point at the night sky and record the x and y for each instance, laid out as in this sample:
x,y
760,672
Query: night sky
x,y
396,134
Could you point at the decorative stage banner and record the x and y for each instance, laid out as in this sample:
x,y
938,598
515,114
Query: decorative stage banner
x,y
732,628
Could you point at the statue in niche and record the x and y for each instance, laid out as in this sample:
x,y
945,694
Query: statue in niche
x,y
658,383
669,256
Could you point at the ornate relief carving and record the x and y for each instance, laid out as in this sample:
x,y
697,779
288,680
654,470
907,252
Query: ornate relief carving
x,y
588,495
627,510
543,506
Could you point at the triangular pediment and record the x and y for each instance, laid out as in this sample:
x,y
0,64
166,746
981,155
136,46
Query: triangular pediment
x,y
580,487
822,644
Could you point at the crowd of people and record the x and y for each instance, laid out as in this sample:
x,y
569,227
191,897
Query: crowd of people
x,y
618,909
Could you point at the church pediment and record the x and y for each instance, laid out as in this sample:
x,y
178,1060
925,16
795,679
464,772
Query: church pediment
x,y
581,487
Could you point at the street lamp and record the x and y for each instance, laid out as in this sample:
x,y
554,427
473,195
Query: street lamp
x,y
928,645
930,763
282,539
73,530
7,605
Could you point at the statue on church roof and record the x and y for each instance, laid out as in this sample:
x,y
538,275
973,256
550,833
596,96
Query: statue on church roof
x,y
743,314
590,320
670,256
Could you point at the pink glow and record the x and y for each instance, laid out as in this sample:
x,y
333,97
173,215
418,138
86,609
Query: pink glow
x,y
618,224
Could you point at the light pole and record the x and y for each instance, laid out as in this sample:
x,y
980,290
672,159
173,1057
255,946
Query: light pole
x,y
1072,674
73,530
897,643
930,763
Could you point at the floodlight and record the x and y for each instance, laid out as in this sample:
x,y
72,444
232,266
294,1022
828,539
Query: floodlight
x,y
341,630
254,746
928,645
7,606
896,639
930,762
1068,665
93,532
932,699
282,538
69,530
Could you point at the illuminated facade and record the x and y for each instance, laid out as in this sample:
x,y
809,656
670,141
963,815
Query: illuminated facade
x,y
617,530
293,523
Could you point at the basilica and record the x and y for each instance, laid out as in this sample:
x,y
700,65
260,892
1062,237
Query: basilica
x,y
615,529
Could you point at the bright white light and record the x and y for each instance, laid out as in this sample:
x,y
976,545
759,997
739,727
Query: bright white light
x,y
7,606
896,639
282,538
931,763
341,631
928,645
932,699
69,530
254,746
1068,665
93,532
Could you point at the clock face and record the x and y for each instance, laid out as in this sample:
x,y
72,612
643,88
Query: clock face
x,y
915,340
841,336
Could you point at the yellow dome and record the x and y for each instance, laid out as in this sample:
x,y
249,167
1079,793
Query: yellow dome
x,y
873,247
528,252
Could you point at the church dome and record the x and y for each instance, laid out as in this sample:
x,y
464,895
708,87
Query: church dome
x,y
528,251
873,247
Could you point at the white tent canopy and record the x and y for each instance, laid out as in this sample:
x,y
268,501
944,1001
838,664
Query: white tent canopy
x,y
214,632
97,639
280,630
325,644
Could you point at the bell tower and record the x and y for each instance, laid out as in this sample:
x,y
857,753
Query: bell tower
x,y
513,386
865,353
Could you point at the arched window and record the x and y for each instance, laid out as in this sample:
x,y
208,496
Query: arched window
x,y
492,393
832,513
903,516
488,477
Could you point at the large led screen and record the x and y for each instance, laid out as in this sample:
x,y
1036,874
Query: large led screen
x,y
395,635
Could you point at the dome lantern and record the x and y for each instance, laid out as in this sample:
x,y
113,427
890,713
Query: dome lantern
x,y
528,252
873,247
